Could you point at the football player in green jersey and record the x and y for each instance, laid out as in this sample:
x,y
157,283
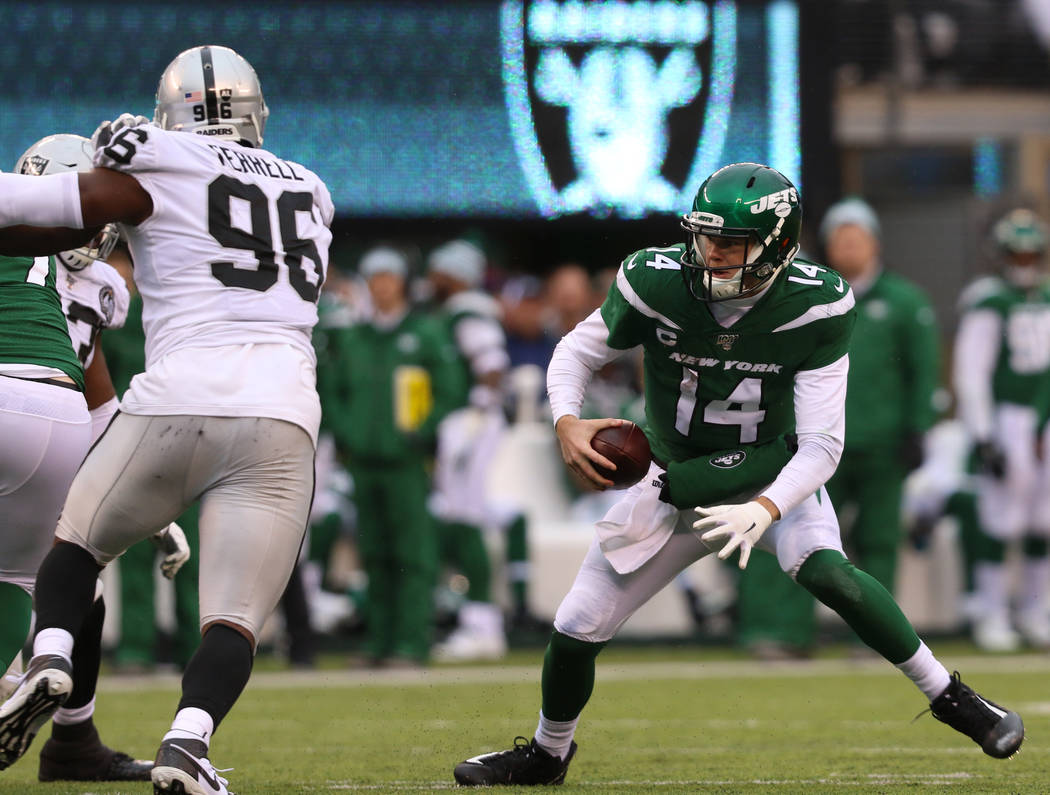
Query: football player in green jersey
x,y
743,343
1002,382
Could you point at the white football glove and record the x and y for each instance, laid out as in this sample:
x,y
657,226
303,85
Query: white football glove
x,y
732,526
171,541
104,132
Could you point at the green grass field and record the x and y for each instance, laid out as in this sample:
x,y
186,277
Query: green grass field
x,y
664,720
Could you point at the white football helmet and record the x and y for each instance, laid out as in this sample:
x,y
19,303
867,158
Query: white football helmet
x,y
211,90
65,152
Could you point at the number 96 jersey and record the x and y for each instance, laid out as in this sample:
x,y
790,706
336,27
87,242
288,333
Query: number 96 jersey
x,y
229,264
707,386
237,238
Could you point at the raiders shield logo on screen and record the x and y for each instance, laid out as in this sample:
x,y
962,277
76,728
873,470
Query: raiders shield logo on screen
x,y
618,108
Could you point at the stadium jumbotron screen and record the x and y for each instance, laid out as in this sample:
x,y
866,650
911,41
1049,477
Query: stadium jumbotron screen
x,y
485,109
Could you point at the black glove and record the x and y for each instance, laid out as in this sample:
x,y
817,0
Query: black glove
x,y
665,488
912,451
990,459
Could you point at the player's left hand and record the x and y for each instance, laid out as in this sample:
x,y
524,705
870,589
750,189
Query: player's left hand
x,y
172,542
104,132
732,526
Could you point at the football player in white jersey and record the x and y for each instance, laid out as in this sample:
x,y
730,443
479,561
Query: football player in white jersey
x,y
93,296
230,245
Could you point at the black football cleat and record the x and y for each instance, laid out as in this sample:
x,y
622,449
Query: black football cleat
x,y
44,688
182,767
998,731
88,759
526,764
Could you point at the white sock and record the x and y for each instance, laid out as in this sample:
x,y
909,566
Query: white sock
x,y
191,724
926,672
555,737
1035,577
54,641
67,716
991,588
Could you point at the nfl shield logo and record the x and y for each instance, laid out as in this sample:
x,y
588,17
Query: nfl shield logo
x,y
618,107
725,341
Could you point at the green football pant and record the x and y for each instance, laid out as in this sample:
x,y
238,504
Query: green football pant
x,y
398,548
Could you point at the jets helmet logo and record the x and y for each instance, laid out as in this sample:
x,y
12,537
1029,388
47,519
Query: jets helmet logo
x,y
617,107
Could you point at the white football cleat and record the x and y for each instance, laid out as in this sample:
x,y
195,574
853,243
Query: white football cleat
x,y
44,688
1034,626
993,632
466,644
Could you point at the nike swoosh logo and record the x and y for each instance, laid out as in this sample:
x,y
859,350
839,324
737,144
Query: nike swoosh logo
x,y
752,527
201,772
630,265
840,286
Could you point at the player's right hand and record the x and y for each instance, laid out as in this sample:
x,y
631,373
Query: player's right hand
x,y
574,436
104,132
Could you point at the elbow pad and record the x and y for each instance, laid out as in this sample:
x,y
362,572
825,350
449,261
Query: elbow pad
x,y
52,200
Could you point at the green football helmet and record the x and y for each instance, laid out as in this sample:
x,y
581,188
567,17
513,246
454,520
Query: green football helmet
x,y
1020,241
743,230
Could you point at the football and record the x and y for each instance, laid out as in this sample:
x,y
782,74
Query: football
x,y
626,446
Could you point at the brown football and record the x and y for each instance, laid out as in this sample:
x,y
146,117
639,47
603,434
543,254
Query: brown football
x,y
626,446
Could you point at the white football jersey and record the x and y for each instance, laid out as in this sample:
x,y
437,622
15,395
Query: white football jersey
x,y
229,265
93,299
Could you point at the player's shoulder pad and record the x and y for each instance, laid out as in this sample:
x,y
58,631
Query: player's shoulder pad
x,y
813,283
651,269
132,148
985,292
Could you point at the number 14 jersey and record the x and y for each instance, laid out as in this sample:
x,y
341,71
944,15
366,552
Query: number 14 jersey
x,y
229,265
709,387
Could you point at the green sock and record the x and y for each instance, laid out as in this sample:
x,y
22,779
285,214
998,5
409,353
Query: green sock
x,y
16,606
862,602
518,561
568,676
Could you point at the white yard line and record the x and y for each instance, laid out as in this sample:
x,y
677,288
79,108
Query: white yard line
x,y
611,672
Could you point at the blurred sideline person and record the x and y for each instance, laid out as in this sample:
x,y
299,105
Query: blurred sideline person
x,y
1001,376
226,411
743,343
384,388
93,297
893,374
468,438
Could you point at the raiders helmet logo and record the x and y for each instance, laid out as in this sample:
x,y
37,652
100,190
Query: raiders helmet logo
x,y
107,303
34,165
618,108
729,460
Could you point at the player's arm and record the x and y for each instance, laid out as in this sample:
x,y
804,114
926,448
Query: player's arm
x,y
99,393
580,354
820,422
74,200
38,241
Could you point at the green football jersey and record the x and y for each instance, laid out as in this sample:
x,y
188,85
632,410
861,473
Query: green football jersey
x,y
32,327
1023,364
708,387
